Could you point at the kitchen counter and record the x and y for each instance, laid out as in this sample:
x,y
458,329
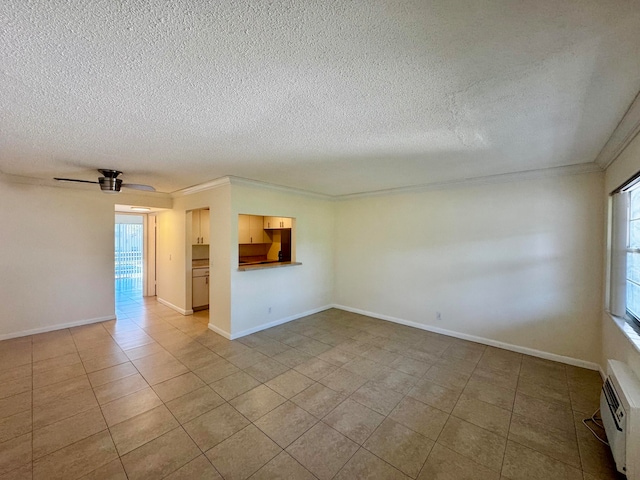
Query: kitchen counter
x,y
200,263
243,267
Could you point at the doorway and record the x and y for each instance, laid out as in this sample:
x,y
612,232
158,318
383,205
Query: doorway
x,y
129,257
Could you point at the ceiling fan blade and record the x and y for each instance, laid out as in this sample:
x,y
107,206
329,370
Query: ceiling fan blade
x,y
137,186
72,180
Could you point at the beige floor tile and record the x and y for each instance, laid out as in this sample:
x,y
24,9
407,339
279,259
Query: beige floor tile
x,y
363,367
129,406
506,380
403,448
445,464
336,357
15,453
234,385
143,351
533,367
10,406
111,471
272,348
286,423
61,390
292,358
322,450
395,380
14,387
100,363
354,420
544,438
313,347
199,468
585,398
473,442
420,417
143,428
266,370
161,456
377,397
378,355
447,377
483,414
65,432
434,395
55,363
501,397
468,351
343,381
178,386
194,403
111,374
15,425
290,383
366,465
243,454
53,349
595,457
76,459
257,402
283,466
410,366
57,375
457,364
522,463
315,369
159,367
120,388
25,472
61,408
247,358
550,413
212,427
216,371
318,400
548,390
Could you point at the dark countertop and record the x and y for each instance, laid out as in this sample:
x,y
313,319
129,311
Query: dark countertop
x,y
268,264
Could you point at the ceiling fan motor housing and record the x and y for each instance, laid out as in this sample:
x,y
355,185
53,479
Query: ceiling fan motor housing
x,y
110,184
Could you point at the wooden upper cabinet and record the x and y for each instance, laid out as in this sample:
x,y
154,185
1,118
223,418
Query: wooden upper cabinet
x,y
250,229
273,223
200,227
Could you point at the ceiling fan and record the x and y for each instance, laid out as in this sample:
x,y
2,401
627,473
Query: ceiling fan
x,y
109,182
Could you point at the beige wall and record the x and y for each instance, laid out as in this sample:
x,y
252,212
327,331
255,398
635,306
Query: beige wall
x,y
56,260
615,344
516,263
289,291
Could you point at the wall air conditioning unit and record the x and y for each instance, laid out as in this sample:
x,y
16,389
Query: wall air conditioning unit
x,y
620,410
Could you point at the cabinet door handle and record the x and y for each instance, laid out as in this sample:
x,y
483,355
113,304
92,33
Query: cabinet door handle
x,y
206,280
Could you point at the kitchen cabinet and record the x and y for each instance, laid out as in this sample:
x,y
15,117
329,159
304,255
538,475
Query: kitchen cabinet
x,y
200,289
251,229
200,227
272,223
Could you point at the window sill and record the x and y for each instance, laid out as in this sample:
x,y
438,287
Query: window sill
x,y
264,266
629,330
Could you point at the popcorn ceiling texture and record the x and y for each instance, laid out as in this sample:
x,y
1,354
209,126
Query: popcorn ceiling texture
x,y
334,97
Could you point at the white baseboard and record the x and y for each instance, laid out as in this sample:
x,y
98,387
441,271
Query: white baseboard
x,y
59,326
485,341
264,326
174,307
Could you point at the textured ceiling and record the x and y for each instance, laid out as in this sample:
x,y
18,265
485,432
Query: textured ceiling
x,y
335,97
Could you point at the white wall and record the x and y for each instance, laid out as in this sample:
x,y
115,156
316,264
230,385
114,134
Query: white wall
x,y
518,263
288,291
615,344
56,256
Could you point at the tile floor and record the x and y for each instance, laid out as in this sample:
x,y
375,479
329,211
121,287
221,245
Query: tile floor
x,y
331,396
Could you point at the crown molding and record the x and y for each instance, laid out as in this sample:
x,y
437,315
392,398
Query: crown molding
x,y
577,169
281,188
622,136
201,187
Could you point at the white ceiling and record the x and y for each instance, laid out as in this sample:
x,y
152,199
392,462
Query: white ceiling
x,y
334,97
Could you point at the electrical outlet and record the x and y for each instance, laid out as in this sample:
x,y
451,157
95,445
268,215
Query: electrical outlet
x,y
438,316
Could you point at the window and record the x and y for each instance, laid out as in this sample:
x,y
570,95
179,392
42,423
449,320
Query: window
x,y
624,299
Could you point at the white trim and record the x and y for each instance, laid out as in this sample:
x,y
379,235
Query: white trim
x,y
272,186
485,341
52,328
577,169
174,307
622,136
217,183
264,326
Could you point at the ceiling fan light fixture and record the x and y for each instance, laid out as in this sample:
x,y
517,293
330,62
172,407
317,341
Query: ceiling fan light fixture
x,y
110,184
